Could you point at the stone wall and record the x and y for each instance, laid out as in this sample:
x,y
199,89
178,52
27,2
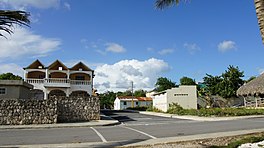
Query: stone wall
x,y
76,109
53,110
15,112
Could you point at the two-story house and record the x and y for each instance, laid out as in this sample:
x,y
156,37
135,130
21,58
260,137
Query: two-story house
x,y
57,79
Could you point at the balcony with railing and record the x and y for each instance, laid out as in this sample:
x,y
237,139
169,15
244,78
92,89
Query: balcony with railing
x,y
57,82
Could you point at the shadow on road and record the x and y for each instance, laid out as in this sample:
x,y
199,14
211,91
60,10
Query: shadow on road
x,y
117,115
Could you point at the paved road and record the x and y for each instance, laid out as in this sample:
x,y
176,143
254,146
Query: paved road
x,y
134,128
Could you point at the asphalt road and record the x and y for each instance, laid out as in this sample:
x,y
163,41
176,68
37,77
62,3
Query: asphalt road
x,y
135,127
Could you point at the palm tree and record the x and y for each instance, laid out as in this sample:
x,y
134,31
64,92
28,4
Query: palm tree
x,y
259,5
8,18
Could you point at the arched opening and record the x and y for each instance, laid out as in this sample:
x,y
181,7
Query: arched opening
x,y
58,75
36,75
80,76
57,92
79,94
37,94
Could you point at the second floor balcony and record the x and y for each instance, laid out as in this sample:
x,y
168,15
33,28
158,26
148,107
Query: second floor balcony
x,y
58,82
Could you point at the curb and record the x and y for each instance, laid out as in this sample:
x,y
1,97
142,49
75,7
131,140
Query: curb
x,y
196,118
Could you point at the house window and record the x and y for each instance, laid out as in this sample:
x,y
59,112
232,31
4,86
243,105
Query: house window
x,y
136,103
79,78
180,94
60,68
40,67
80,69
2,91
125,103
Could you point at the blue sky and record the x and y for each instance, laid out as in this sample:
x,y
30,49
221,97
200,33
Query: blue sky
x,y
130,40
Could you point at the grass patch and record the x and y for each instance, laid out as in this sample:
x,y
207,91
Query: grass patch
x,y
246,139
215,112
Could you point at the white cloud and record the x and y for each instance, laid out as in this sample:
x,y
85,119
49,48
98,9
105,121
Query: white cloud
x,y
166,51
150,49
13,68
67,6
192,48
114,47
24,4
24,43
226,46
118,77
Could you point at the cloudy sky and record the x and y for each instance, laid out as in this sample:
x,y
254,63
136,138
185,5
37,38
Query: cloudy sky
x,y
129,40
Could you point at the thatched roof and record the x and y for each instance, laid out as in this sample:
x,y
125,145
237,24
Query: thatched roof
x,y
259,4
253,87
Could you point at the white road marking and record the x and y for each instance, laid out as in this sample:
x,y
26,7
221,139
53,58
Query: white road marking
x,y
140,132
99,134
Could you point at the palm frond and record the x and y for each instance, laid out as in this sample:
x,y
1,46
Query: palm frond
x,y
161,4
9,18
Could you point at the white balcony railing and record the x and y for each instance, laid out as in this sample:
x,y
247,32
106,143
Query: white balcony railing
x,y
58,81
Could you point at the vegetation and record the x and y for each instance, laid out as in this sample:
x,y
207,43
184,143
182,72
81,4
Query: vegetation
x,y
9,18
218,112
164,84
187,81
243,140
9,76
138,108
226,84
154,109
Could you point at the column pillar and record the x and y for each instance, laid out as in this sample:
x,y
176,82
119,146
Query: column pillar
x,y
46,74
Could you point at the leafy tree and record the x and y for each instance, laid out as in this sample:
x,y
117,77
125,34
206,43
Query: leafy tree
x,y
140,93
212,84
8,18
9,76
164,84
187,81
231,82
161,4
107,100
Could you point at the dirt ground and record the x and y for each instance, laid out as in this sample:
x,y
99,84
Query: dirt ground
x,y
202,143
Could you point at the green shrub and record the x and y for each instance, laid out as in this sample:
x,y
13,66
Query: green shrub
x,y
154,109
174,108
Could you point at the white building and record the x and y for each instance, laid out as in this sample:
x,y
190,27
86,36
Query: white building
x,y
57,79
124,102
185,96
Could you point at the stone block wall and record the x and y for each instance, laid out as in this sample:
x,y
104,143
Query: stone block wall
x,y
53,110
18,112
78,109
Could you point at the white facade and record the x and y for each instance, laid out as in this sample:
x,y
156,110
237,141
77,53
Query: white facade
x,y
185,96
121,103
57,79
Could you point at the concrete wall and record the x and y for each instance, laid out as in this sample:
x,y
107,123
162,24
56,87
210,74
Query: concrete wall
x,y
185,96
15,89
161,102
54,110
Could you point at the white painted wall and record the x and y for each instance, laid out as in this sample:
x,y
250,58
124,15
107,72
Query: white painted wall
x,y
185,96
160,102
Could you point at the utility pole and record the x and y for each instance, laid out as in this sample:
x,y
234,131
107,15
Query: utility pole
x,y
132,94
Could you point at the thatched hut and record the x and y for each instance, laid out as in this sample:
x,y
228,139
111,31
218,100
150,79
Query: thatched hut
x,y
259,4
253,92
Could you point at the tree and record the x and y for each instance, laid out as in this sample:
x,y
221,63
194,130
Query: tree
x,y
107,100
231,82
9,76
259,6
187,81
8,18
212,84
140,93
164,84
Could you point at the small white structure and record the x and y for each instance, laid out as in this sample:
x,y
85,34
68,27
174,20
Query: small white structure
x,y
184,95
124,102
